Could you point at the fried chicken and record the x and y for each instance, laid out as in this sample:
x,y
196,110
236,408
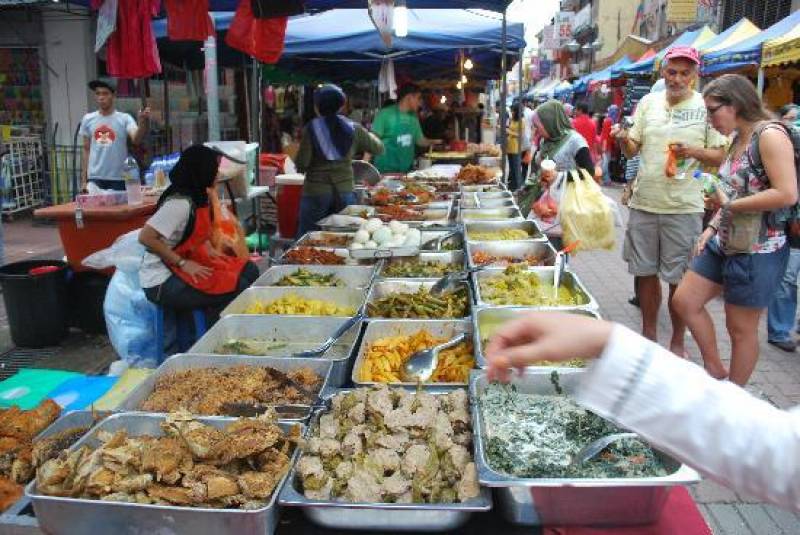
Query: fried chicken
x,y
10,493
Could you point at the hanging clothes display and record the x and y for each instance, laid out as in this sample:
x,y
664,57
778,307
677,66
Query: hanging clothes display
x,y
387,82
188,20
261,39
131,49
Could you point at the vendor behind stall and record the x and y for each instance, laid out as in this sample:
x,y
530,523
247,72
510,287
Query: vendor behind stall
x,y
326,156
186,266
398,127
105,135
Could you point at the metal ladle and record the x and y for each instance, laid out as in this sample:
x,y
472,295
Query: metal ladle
x,y
593,448
423,363
451,281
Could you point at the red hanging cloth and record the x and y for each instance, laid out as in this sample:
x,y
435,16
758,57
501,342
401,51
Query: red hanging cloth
x,y
131,49
188,20
258,38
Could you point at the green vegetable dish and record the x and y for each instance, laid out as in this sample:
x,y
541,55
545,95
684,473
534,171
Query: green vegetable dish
x,y
421,305
517,286
305,277
417,269
536,436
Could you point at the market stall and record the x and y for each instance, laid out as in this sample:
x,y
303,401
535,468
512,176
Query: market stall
x,y
781,60
328,330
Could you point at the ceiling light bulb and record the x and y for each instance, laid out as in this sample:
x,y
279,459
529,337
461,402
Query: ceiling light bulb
x,y
401,21
443,100
463,78
459,85
468,64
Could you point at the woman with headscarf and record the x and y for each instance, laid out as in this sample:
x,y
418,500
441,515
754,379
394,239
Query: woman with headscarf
x,y
607,143
186,266
326,154
569,150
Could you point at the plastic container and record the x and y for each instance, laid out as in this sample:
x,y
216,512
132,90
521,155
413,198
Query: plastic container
x,y
133,184
290,190
36,304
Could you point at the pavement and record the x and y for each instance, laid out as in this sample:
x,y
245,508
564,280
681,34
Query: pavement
x,y
776,379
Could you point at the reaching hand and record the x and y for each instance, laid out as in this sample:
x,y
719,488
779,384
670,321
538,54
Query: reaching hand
x,y
196,271
618,132
702,241
545,336
144,114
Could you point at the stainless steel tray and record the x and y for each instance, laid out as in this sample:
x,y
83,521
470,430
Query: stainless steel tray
x,y
320,234
546,274
351,276
383,328
73,516
443,257
343,252
391,517
494,187
456,240
534,233
183,362
383,287
343,297
15,520
514,249
486,321
572,501
487,200
469,215
300,333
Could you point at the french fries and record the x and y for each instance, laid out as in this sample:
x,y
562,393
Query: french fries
x,y
384,359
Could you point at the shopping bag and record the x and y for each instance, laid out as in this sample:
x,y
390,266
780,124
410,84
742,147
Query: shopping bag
x,y
586,215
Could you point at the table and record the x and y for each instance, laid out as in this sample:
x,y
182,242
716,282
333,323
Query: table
x,y
84,231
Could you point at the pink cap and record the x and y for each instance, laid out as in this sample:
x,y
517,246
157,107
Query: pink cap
x,y
683,52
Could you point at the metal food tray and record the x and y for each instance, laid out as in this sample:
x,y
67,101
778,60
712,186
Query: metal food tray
x,y
500,315
15,519
572,501
78,516
493,187
530,227
467,202
439,257
515,249
321,234
391,517
378,329
351,276
343,297
469,215
546,274
312,331
183,362
384,252
383,287
343,252
429,235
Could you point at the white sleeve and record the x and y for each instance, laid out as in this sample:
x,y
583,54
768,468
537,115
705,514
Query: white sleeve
x,y
84,128
714,426
130,124
171,217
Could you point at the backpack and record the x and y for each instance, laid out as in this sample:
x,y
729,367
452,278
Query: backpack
x,y
788,216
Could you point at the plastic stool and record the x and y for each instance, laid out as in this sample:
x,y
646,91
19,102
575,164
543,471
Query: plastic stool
x,y
185,340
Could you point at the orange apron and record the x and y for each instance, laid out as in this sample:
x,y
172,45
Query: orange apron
x,y
226,269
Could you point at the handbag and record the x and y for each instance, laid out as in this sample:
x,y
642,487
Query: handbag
x,y
744,231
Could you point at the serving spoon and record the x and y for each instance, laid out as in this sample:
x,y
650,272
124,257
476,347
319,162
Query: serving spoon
x,y
423,363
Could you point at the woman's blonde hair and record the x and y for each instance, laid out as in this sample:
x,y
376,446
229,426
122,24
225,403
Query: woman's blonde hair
x,y
737,91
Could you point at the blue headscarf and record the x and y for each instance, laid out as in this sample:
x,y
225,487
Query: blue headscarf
x,y
332,133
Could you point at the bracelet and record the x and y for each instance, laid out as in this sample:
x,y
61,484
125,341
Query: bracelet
x,y
181,262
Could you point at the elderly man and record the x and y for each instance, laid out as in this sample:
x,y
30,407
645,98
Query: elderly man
x,y
666,211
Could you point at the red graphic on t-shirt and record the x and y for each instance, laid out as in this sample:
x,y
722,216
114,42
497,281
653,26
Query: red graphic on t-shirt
x,y
104,135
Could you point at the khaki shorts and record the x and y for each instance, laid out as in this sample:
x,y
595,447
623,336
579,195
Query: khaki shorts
x,y
660,244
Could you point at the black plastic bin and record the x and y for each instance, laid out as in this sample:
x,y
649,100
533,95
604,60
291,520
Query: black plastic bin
x,y
36,304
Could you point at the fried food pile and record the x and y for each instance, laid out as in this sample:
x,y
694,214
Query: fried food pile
x,y
388,445
385,358
17,430
311,255
208,390
475,174
193,465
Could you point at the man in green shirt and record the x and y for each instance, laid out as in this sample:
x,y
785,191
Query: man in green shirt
x,y
398,128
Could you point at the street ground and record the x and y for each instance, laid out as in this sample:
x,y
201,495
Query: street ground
x,y
777,377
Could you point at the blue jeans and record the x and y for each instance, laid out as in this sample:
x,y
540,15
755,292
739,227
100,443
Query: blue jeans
x,y
315,207
514,180
782,309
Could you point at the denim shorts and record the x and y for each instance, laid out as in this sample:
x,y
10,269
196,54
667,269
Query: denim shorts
x,y
747,280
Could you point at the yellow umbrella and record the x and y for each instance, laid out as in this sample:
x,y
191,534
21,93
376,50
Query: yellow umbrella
x,y
785,49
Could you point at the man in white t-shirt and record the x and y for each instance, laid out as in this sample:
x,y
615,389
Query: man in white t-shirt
x,y
105,138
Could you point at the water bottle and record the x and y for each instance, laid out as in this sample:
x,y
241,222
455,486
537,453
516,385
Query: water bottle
x,y
713,186
133,187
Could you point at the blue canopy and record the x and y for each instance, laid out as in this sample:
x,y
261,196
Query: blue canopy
x,y
343,43
646,67
747,52
582,84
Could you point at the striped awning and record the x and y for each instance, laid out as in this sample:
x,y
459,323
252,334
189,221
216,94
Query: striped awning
x,y
782,50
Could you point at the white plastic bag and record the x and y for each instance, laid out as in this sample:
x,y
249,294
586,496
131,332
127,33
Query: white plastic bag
x,y
131,319
126,254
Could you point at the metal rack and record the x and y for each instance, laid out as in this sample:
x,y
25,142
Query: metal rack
x,y
25,180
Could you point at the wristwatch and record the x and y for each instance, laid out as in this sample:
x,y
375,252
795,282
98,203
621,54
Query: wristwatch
x,y
181,263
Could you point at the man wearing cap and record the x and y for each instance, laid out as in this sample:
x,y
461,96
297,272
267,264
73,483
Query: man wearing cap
x,y
398,128
105,138
666,211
